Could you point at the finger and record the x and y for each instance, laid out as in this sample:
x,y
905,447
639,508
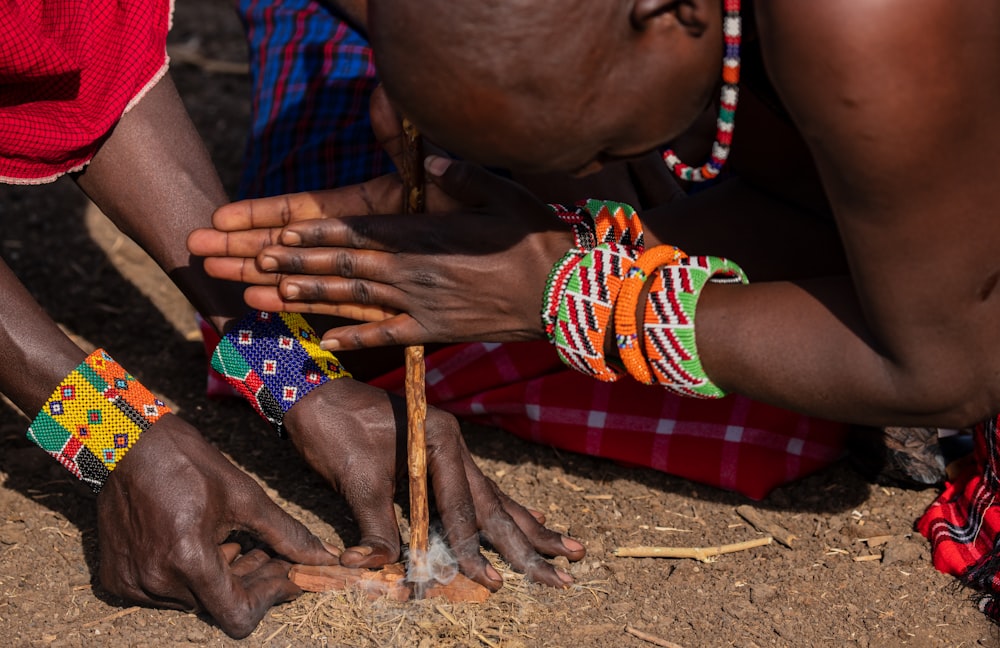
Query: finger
x,y
543,539
249,562
239,269
372,508
320,259
338,290
538,515
230,551
378,232
469,184
283,533
208,242
397,330
267,298
276,211
236,601
455,500
515,533
387,125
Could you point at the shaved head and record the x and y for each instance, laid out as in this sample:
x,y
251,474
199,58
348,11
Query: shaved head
x,y
500,81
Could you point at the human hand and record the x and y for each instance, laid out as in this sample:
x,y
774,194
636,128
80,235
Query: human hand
x,y
429,278
163,516
361,451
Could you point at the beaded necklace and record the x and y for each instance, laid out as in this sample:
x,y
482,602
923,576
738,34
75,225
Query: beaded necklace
x,y
732,32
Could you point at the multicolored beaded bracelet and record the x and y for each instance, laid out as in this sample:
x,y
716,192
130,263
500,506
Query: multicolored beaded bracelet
x,y
584,307
94,417
626,329
555,284
732,33
602,221
274,360
668,328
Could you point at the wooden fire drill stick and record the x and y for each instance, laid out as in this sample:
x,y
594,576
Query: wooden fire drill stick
x,y
390,581
412,171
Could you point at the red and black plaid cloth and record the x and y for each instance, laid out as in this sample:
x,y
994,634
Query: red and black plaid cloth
x,y
68,71
963,524
733,443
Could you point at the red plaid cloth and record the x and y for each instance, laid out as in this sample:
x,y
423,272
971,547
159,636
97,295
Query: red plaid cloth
x,y
68,71
963,523
733,443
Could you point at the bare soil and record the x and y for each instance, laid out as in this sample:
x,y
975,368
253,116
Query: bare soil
x,y
857,574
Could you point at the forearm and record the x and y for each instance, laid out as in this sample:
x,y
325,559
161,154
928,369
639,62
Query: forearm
x,y
769,238
155,180
35,355
799,336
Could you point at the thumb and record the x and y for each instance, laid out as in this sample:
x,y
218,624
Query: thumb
x,y
386,125
469,184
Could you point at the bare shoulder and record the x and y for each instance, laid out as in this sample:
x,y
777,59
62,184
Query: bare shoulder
x,y
888,81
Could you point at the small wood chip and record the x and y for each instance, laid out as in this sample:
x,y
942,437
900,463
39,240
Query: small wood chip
x,y
876,541
759,522
868,558
390,581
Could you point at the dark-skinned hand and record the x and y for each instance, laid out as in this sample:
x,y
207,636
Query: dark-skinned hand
x,y
361,451
164,515
473,268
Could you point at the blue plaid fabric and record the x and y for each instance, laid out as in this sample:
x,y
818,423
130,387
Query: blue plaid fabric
x,y
312,76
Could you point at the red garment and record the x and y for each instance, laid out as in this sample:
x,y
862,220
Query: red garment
x,y
68,71
733,443
963,523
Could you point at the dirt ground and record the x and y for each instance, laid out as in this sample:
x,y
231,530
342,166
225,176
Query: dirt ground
x,y
857,574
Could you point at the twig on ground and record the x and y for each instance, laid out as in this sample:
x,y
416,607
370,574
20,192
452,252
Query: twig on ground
x,y
111,617
645,636
778,532
698,553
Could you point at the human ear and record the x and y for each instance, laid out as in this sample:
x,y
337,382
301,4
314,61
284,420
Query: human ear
x,y
694,15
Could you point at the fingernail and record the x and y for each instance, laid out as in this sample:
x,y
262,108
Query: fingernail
x,y
564,577
436,165
493,574
291,238
268,263
331,549
571,544
291,291
329,345
363,550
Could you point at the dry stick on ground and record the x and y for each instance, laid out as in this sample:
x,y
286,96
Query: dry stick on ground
x,y
414,202
656,641
759,522
698,553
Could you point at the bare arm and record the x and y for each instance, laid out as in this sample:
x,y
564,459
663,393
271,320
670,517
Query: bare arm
x,y
154,179
907,154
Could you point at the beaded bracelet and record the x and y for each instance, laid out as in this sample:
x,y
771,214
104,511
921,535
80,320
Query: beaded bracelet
x,y
668,329
94,417
555,284
626,329
602,221
584,305
273,360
